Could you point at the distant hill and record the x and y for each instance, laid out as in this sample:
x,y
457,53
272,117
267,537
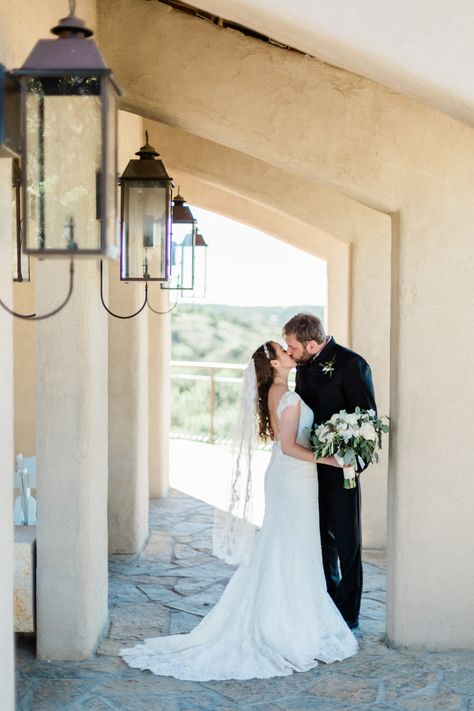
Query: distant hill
x,y
229,334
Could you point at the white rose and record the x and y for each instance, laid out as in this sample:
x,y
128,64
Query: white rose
x,y
352,419
367,431
323,433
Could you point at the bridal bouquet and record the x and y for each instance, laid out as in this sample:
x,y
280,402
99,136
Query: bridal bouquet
x,y
352,439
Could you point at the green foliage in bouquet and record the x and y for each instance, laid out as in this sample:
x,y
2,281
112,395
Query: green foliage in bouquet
x,y
354,439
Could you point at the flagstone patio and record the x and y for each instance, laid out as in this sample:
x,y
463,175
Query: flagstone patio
x,y
172,584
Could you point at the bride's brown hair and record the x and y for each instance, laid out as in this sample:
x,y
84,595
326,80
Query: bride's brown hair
x,y
265,374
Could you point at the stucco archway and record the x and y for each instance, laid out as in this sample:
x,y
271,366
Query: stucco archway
x,y
392,154
385,151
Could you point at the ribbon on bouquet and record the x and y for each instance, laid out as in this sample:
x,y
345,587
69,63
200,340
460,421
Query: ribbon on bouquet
x,y
349,473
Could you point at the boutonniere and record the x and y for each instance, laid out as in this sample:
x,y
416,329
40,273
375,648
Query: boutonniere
x,y
328,366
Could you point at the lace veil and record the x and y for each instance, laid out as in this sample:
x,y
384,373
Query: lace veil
x,y
233,532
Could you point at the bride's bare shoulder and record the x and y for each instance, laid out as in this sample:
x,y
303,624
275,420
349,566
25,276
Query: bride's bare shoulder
x,y
281,397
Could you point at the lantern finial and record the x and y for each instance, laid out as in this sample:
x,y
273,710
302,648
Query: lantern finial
x,y
147,152
179,199
71,26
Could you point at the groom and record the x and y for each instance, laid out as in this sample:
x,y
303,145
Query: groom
x,y
331,378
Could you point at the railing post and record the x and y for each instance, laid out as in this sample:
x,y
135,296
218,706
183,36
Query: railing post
x,y
212,407
214,377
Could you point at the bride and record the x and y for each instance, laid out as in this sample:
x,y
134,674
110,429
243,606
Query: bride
x,y
275,615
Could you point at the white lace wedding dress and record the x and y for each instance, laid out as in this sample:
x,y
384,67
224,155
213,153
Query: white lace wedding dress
x,y
275,616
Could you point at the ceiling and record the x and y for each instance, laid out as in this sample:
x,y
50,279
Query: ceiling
x,y
423,49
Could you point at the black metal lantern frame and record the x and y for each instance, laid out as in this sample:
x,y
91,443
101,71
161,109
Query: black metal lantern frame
x,y
145,213
69,152
145,234
21,261
65,99
183,245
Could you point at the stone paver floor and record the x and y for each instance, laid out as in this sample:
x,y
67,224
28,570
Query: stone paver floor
x,y
171,585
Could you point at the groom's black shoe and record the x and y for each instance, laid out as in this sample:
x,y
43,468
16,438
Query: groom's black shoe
x,y
353,624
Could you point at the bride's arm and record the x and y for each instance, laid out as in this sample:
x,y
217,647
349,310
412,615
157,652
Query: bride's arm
x,y
289,422
288,431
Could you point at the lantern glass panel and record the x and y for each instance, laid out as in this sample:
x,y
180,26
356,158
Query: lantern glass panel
x,y
63,168
182,266
200,275
200,272
145,231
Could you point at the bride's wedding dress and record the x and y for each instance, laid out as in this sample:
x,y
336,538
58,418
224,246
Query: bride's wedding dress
x,y
275,616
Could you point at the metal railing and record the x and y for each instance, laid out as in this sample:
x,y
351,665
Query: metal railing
x,y
210,372
218,415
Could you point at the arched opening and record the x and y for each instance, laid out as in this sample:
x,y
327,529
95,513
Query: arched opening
x,y
202,401
245,305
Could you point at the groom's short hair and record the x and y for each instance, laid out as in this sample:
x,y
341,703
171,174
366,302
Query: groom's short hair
x,y
306,327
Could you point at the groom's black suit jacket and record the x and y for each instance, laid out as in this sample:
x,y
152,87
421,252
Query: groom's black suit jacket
x,y
350,384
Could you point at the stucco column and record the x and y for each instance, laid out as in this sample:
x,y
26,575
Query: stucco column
x,y
338,294
71,447
6,445
24,347
128,417
431,487
370,336
159,356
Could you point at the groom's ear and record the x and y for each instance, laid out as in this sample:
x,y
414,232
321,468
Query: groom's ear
x,y
312,347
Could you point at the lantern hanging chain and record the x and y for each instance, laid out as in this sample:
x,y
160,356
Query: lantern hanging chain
x,y
107,308
42,317
72,7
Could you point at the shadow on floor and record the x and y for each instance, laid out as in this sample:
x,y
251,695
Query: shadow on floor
x,y
171,585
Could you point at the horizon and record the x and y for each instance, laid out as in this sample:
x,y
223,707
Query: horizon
x,y
265,270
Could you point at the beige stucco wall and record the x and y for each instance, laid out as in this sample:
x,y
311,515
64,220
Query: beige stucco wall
x,y
21,24
398,46
128,417
6,446
159,377
128,389
387,152
71,407
24,339
392,154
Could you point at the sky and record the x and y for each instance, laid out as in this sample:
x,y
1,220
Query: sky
x,y
246,267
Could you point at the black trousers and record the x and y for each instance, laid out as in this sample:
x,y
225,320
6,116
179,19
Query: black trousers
x,y
341,540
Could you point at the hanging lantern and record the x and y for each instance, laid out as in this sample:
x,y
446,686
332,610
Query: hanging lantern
x,y
69,153
184,229
191,266
200,267
145,218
